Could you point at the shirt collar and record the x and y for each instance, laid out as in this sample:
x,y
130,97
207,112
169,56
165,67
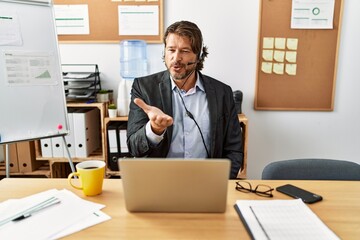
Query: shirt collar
x,y
198,84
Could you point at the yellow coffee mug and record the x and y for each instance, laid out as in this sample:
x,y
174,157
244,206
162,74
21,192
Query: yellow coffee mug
x,y
91,175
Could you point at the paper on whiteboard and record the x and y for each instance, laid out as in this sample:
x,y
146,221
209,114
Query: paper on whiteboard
x,y
30,68
10,33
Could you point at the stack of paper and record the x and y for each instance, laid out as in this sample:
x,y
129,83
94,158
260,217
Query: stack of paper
x,y
70,215
282,219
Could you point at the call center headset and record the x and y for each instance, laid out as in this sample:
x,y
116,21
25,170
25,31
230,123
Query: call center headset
x,y
201,57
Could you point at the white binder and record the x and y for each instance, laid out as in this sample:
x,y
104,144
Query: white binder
x,y
57,147
46,147
87,131
113,146
123,144
70,137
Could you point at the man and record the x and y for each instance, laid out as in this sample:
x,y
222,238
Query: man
x,y
181,113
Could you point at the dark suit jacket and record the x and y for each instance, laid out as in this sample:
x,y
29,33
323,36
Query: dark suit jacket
x,y
155,90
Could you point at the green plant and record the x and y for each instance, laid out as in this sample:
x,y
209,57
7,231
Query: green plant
x,y
103,91
112,106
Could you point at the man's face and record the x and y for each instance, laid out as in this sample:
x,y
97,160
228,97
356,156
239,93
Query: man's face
x,y
178,54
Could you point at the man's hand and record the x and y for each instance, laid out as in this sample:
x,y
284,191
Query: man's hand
x,y
158,119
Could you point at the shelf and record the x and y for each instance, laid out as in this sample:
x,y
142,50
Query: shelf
x,y
44,170
99,154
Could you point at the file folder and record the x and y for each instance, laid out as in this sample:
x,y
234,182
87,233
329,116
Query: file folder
x,y
113,146
123,136
26,157
86,131
57,147
70,137
46,147
117,146
13,158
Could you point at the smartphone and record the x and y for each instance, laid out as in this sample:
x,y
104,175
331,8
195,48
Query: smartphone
x,y
296,192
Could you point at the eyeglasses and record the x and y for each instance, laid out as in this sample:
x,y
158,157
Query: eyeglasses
x,y
261,189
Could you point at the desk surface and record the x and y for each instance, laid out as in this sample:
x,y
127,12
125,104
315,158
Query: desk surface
x,y
340,211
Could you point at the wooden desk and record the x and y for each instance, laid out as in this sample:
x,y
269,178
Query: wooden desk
x,y
340,211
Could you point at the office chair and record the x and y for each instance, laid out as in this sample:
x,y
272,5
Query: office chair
x,y
312,169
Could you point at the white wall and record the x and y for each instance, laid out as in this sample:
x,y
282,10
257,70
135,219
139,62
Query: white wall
x,y
230,31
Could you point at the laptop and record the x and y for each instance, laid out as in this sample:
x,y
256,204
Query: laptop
x,y
175,185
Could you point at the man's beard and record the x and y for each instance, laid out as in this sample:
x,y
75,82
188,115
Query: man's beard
x,y
181,76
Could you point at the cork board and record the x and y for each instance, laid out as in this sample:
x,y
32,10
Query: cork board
x,y
104,21
312,85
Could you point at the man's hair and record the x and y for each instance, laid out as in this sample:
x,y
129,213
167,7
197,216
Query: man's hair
x,y
190,30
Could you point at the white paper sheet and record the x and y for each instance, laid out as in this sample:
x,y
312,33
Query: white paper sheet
x,y
10,33
72,19
138,20
72,214
312,14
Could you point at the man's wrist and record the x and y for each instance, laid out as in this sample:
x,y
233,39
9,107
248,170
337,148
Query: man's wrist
x,y
153,137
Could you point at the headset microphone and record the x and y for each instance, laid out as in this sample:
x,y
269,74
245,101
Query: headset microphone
x,y
191,63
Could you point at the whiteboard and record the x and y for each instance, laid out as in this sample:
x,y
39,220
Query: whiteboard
x,y
32,98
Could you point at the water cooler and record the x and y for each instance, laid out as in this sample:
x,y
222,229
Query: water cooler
x,y
133,63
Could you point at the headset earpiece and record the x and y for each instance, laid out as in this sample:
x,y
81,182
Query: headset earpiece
x,y
201,54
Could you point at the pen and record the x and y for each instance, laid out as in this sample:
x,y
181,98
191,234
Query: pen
x,y
27,213
262,227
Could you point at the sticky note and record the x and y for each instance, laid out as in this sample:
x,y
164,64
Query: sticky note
x,y
267,55
278,68
279,56
266,67
290,69
290,56
268,43
280,43
292,43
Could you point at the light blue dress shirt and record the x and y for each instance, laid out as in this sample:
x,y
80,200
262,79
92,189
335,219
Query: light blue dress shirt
x,y
186,139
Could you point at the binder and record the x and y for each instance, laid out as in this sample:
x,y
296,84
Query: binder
x,y
26,157
57,144
113,148
13,158
46,147
123,137
70,138
86,131
117,149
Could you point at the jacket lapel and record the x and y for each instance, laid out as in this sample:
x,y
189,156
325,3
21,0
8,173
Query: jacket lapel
x,y
213,109
166,93
166,100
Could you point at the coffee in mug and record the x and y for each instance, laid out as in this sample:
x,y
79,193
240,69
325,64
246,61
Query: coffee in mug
x,y
91,175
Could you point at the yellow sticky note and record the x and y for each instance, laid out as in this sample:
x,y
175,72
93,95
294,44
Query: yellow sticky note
x,y
280,43
290,56
267,55
290,69
278,68
279,56
292,43
266,67
268,42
